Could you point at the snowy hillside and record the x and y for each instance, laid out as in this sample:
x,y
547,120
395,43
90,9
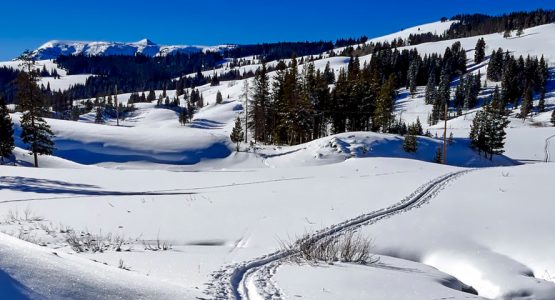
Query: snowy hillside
x,y
62,83
156,208
53,49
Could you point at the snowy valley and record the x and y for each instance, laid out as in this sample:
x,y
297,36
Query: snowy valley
x,y
143,206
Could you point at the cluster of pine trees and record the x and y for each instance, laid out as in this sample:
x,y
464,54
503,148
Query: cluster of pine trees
x,y
487,132
280,50
479,24
299,106
520,78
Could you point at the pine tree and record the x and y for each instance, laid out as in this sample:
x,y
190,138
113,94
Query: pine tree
x,y
496,135
438,156
430,89
527,102
99,116
476,131
413,75
510,82
75,113
260,102
459,102
151,96
479,51
183,116
496,99
219,98
418,127
553,117
6,132
237,133
450,139
507,33
35,132
383,115
191,110
329,75
495,65
519,31
409,143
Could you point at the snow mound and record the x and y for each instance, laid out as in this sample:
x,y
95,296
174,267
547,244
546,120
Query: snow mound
x,y
31,272
340,147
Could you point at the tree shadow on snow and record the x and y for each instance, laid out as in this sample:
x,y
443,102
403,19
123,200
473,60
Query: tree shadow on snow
x,y
45,186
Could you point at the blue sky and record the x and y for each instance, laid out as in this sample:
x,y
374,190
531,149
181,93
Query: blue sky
x,y
28,24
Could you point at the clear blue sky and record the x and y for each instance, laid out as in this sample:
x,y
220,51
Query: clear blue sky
x,y
28,24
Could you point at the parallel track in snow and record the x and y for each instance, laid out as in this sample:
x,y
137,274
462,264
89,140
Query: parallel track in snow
x,y
547,145
239,281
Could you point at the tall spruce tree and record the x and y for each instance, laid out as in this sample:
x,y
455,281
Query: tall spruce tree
x,y
6,132
496,136
219,98
410,143
495,65
413,76
99,116
480,51
35,132
260,103
237,133
431,89
527,102
383,115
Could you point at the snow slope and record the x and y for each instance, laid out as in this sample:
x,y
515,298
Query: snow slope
x,y
28,271
495,236
63,83
490,229
210,218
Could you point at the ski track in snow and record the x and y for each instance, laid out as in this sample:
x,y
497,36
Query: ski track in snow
x,y
252,279
547,145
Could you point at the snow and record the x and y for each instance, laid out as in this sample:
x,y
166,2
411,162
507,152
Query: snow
x,y
55,48
63,83
152,179
437,28
496,237
32,272
390,278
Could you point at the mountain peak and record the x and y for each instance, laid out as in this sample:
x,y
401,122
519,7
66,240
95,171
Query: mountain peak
x,y
146,42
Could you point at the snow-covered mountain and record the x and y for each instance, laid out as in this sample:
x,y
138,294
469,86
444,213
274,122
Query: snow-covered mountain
x,y
55,48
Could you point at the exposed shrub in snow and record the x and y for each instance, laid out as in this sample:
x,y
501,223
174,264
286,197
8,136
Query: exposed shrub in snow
x,y
349,247
86,242
157,245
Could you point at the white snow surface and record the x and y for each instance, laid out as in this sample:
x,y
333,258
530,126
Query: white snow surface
x,y
29,271
152,180
56,84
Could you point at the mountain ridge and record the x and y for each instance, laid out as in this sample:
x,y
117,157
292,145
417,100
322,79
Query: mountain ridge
x,y
55,48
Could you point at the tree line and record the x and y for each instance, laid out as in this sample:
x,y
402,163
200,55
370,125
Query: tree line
x,y
299,106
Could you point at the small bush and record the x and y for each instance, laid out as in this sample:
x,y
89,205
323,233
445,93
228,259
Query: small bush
x,y
87,242
349,247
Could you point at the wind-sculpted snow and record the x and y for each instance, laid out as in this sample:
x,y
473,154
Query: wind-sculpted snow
x,y
31,272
